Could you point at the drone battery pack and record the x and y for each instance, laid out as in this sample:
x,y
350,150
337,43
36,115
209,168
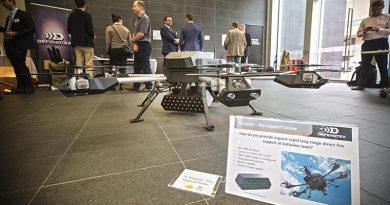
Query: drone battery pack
x,y
253,182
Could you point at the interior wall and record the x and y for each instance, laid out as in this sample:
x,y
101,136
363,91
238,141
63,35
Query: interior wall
x,y
214,17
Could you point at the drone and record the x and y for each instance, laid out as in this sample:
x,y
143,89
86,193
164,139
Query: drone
x,y
317,181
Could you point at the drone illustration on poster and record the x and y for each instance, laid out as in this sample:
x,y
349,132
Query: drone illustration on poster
x,y
316,178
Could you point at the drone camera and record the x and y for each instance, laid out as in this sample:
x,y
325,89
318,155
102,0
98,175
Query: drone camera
x,y
82,84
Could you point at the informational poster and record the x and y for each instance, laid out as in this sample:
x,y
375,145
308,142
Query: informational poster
x,y
291,162
156,35
197,182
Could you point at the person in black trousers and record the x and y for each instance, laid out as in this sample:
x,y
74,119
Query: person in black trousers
x,y
169,37
142,44
19,37
248,39
375,31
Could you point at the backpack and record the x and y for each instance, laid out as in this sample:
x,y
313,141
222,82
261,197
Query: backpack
x,y
371,77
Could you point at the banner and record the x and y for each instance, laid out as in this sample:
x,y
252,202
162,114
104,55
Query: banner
x,y
290,162
51,30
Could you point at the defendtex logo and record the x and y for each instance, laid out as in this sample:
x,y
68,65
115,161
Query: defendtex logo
x,y
331,132
53,39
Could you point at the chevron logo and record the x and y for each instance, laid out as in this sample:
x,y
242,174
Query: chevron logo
x,y
54,36
330,130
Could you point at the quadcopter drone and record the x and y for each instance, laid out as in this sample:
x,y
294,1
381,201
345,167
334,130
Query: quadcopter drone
x,y
317,181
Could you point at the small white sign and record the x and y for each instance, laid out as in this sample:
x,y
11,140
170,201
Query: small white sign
x,y
197,182
223,39
255,41
292,162
156,35
206,37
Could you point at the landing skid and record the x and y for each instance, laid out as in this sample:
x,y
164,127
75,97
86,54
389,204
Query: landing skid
x,y
254,111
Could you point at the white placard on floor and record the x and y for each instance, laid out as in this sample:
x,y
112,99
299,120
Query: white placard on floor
x,y
291,162
198,182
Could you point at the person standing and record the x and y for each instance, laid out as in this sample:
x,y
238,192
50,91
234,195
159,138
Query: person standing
x,y
169,37
235,43
19,37
248,38
117,36
375,31
142,45
191,36
80,28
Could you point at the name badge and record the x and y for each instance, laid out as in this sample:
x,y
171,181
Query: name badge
x,y
16,20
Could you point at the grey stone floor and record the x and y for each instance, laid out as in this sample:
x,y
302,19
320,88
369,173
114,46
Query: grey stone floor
x,y
82,150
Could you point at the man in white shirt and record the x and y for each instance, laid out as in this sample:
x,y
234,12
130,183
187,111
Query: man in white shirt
x,y
375,31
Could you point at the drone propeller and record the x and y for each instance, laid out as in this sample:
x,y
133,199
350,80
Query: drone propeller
x,y
307,65
263,74
230,65
335,162
347,171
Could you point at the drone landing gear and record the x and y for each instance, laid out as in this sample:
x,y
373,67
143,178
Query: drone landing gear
x,y
146,103
208,126
255,112
309,194
335,185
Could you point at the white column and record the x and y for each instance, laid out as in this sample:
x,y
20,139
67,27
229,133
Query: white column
x,y
272,32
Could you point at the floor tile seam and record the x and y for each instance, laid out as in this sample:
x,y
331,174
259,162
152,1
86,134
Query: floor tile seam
x,y
205,157
62,156
117,147
174,149
132,170
375,195
32,160
373,155
380,122
194,202
374,143
111,174
205,200
278,114
28,115
109,133
200,136
18,191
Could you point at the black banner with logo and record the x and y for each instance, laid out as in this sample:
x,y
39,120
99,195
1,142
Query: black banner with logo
x,y
51,30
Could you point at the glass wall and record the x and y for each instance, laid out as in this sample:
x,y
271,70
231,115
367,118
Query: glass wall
x,y
331,30
292,14
340,45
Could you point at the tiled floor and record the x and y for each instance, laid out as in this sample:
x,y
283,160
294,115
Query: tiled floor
x,y
83,150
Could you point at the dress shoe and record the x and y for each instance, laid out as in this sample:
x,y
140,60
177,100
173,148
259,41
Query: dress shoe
x,y
359,87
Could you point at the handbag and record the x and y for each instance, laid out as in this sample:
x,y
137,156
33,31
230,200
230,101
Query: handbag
x,y
127,50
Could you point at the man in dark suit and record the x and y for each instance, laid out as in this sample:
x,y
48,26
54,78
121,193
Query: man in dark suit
x,y
18,38
80,28
248,39
169,37
191,36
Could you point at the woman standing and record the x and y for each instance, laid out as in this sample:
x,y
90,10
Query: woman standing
x,y
117,36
